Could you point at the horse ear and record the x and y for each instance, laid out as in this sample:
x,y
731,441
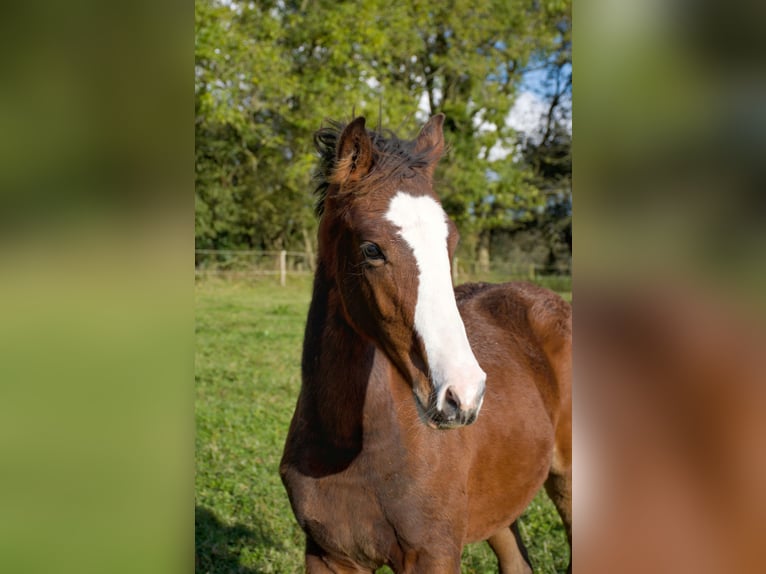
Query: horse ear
x,y
431,140
354,153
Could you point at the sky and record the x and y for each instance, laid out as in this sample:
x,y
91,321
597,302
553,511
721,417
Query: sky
x,y
527,116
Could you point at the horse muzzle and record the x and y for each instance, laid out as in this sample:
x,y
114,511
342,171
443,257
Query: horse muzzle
x,y
453,406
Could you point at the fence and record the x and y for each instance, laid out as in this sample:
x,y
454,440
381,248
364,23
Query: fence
x,y
243,263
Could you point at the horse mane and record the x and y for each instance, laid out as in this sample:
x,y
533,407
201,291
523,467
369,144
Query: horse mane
x,y
391,156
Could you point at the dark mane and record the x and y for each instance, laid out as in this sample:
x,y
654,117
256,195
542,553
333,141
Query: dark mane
x,y
392,156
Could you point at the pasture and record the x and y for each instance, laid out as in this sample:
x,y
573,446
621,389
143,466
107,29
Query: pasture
x,y
247,372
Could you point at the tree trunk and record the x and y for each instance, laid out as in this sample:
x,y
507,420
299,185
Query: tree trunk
x,y
482,254
308,246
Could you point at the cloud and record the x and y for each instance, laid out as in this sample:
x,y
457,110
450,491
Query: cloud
x,y
527,115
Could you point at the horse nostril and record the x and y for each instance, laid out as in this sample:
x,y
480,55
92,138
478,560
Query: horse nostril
x,y
452,402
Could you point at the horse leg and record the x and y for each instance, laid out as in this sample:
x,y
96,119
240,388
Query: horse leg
x,y
558,485
512,557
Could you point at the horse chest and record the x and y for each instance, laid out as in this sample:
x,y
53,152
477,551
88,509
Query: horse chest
x,y
385,503
342,512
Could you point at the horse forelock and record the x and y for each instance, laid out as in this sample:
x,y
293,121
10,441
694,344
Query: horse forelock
x,y
393,157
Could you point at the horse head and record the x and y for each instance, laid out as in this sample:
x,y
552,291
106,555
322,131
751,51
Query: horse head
x,y
388,244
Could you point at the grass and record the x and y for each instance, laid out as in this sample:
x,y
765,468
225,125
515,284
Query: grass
x,y
247,370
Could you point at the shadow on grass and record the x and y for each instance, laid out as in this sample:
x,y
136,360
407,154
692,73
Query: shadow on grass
x,y
217,546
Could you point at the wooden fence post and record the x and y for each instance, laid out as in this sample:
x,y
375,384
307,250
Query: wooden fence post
x,y
282,267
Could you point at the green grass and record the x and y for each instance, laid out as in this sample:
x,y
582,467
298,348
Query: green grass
x,y
247,371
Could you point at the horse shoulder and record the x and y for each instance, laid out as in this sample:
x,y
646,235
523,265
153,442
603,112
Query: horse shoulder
x,y
530,317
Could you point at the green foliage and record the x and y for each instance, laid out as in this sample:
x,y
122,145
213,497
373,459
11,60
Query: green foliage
x,y
247,372
267,74
549,231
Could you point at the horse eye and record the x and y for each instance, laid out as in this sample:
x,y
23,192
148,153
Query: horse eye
x,y
371,251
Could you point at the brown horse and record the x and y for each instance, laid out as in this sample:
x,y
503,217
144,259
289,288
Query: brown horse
x,y
428,417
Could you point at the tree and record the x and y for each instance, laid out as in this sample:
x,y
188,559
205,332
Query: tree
x,y
474,55
549,158
267,73
247,173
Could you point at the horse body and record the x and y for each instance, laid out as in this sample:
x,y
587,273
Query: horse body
x,y
375,477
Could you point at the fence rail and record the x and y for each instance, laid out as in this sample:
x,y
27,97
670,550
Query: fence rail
x,y
255,263
252,263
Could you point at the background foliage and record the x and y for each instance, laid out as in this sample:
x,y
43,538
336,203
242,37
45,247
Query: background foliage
x,y
268,72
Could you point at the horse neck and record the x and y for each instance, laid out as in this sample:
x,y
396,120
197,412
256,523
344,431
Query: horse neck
x,y
337,365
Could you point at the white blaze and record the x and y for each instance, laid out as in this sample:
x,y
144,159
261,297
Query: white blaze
x,y
422,224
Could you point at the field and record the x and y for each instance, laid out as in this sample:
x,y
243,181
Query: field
x,y
247,370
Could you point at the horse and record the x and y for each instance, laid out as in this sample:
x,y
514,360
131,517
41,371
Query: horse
x,y
428,416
